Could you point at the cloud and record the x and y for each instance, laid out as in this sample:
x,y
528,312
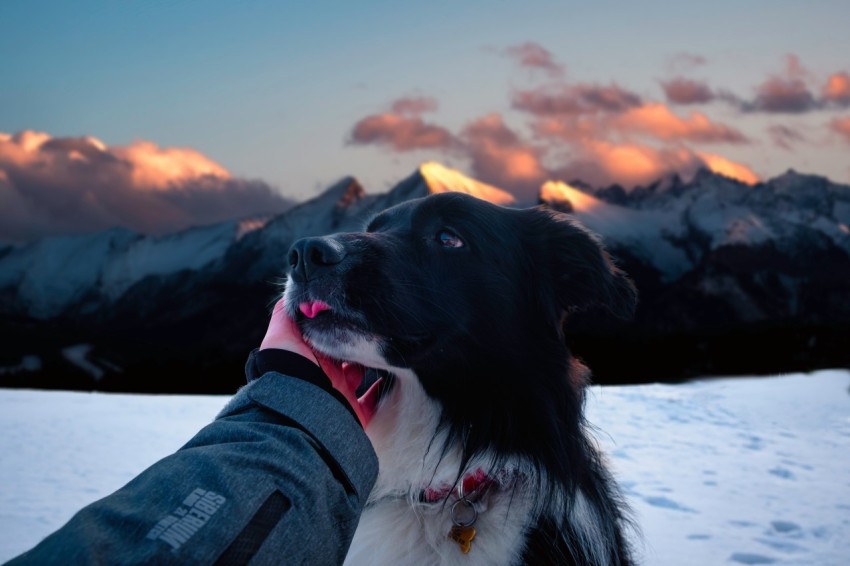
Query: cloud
x,y
787,92
401,133
598,133
658,121
778,94
51,186
837,89
651,120
530,55
784,137
686,91
414,105
574,99
602,163
498,156
841,126
682,62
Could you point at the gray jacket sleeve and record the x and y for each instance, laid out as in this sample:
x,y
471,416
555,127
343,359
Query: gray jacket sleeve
x,y
279,477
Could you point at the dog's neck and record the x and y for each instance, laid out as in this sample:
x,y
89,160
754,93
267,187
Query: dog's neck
x,y
411,448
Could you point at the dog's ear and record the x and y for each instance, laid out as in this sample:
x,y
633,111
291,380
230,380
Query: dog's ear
x,y
584,275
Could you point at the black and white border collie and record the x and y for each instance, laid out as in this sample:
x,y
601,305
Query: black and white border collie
x,y
484,452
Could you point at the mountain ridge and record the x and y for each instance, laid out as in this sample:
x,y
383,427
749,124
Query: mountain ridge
x,y
710,256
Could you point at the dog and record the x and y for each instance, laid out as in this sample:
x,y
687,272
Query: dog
x,y
460,306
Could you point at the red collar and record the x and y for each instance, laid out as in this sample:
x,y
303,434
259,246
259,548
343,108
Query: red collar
x,y
474,485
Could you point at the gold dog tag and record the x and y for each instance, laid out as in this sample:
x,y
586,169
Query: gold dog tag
x,y
463,536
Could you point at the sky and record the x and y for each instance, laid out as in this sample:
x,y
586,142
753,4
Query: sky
x,y
160,114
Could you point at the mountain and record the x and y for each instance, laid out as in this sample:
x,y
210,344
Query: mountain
x,y
733,279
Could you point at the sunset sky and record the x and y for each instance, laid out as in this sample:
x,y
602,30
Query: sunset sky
x,y
159,114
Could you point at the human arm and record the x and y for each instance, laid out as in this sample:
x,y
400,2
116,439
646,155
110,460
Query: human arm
x,y
281,475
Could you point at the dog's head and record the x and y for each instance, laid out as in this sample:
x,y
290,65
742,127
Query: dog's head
x,y
451,283
467,301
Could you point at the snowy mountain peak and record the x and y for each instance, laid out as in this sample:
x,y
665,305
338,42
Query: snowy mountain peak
x,y
440,179
561,196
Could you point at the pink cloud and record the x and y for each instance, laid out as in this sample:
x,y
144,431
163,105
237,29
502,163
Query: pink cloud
x,y
575,99
414,105
841,126
778,94
837,89
686,91
51,186
785,93
401,133
534,56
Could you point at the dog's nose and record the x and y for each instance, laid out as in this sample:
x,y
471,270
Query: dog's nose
x,y
309,256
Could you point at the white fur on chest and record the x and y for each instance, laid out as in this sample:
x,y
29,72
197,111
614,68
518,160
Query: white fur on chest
x,y
396,528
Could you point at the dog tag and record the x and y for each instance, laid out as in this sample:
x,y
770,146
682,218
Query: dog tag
x,y
463,536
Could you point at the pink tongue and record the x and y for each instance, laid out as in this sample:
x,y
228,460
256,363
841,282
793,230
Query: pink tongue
x,y
312,308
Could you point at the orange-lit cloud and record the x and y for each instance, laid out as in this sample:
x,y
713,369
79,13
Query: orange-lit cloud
x,y
531,55
401,133
601,134
658,121
161,168
602,163
500,157
575,99
52,186
837,89
650,120
841,126
686,91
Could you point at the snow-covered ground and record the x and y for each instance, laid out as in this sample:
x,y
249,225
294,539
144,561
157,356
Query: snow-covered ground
x,y
731,471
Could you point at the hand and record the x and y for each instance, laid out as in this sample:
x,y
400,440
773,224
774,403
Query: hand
x,y
284,334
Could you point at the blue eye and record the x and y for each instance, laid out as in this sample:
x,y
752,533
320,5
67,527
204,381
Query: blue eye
x,y
449,239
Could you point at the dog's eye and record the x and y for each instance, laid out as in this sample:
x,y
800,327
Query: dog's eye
x,y
449,239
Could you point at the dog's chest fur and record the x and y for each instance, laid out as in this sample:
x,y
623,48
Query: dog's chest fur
x,y
397,528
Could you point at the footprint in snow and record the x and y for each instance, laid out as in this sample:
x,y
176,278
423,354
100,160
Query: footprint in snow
x,y
781,545
666,503
751,558
752,442
783,473
784,526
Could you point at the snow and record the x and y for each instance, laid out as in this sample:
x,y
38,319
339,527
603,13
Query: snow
x,y
751,471
643,232
724,471
442,179
54,273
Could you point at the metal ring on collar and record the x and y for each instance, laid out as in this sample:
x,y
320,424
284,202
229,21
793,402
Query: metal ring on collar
x,y
469,505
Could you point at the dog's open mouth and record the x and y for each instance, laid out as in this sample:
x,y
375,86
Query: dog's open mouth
x,y
371,384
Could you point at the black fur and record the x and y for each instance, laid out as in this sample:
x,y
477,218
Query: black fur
x,y
482,327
